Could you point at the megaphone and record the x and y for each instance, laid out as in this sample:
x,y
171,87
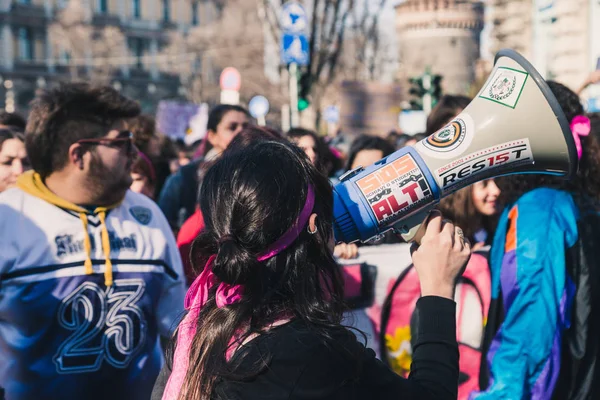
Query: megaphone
x,y
514,125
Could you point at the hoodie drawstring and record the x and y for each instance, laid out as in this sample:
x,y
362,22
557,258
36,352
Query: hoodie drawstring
x,y
108,272
87,244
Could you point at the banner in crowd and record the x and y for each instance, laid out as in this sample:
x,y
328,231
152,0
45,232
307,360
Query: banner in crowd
x,y
186,121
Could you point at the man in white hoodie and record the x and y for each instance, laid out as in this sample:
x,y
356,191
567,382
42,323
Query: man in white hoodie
x,y
90,275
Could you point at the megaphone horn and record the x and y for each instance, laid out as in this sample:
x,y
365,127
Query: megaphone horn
x,y
514,125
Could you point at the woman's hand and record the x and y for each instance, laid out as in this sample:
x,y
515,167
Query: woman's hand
x,y
346,251
441,257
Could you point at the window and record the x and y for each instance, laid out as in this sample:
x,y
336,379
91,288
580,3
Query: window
x,y
25,38
136,46
195,13
137,9
102,6
166,10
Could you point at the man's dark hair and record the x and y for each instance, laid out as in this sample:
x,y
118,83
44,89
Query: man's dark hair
x,y
12,120
61,116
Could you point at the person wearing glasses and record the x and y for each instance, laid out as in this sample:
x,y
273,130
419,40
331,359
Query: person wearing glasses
x,y
90,275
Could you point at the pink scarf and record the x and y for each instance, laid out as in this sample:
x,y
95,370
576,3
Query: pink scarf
x,y
197,296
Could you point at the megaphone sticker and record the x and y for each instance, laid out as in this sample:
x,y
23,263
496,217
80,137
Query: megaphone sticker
x,y
461,172
505,87
450,141
397,188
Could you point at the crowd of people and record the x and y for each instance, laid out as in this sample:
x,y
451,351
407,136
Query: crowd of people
x,y
133,267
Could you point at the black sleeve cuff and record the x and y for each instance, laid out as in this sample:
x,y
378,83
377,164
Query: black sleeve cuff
x,y
434,320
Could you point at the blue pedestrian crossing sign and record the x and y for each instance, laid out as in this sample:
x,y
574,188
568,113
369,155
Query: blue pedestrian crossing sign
x,y
294,49
293,18
294,37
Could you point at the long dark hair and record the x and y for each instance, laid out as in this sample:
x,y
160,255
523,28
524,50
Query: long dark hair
x,y
249,199
585,186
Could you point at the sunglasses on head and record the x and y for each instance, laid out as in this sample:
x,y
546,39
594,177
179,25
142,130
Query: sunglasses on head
x,y
123,140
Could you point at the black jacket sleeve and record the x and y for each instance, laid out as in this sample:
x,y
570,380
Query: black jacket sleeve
x,y
434,372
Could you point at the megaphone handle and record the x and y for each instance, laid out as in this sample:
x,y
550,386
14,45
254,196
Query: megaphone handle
x,y
412,229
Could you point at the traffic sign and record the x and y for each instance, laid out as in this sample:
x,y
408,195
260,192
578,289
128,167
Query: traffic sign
x,y
294,49
332,114
293,18
258,106
231,79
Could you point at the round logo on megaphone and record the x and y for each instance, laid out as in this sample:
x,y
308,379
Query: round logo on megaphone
x,y
452,140
449,135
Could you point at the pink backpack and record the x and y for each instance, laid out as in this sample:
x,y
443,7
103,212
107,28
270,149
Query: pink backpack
x,y
473,293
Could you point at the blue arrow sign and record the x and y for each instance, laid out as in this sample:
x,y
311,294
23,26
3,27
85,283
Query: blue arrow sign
x,y
293,18
294,49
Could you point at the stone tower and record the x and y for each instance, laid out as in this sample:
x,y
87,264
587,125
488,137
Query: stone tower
x,y
443,35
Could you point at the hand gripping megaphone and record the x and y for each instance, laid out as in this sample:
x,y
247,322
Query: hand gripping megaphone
x,y
514,125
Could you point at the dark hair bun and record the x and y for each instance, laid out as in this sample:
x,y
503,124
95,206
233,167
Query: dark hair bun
x,y
234,263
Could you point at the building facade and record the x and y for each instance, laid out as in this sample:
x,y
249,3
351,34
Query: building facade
x,y
512,27
120,42
443,35
560,37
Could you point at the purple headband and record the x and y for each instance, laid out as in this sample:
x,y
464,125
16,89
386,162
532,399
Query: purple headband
x,y
197,296
288,238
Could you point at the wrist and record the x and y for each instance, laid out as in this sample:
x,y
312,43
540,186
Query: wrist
x,y
440,290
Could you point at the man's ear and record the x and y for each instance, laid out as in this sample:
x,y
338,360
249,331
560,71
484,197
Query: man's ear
x,y
76,154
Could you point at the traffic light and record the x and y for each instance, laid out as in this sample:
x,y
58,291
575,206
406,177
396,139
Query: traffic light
x,y
436,89
304,84
417,91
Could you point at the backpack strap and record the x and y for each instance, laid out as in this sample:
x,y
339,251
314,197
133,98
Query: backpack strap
x,y
386,310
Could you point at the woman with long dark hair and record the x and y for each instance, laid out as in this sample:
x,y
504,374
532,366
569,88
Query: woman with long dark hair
x,y
264,316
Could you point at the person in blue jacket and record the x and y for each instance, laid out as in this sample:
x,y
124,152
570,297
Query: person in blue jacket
x,y
542,329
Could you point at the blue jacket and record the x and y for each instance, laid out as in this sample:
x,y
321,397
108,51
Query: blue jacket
x,y
530,281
